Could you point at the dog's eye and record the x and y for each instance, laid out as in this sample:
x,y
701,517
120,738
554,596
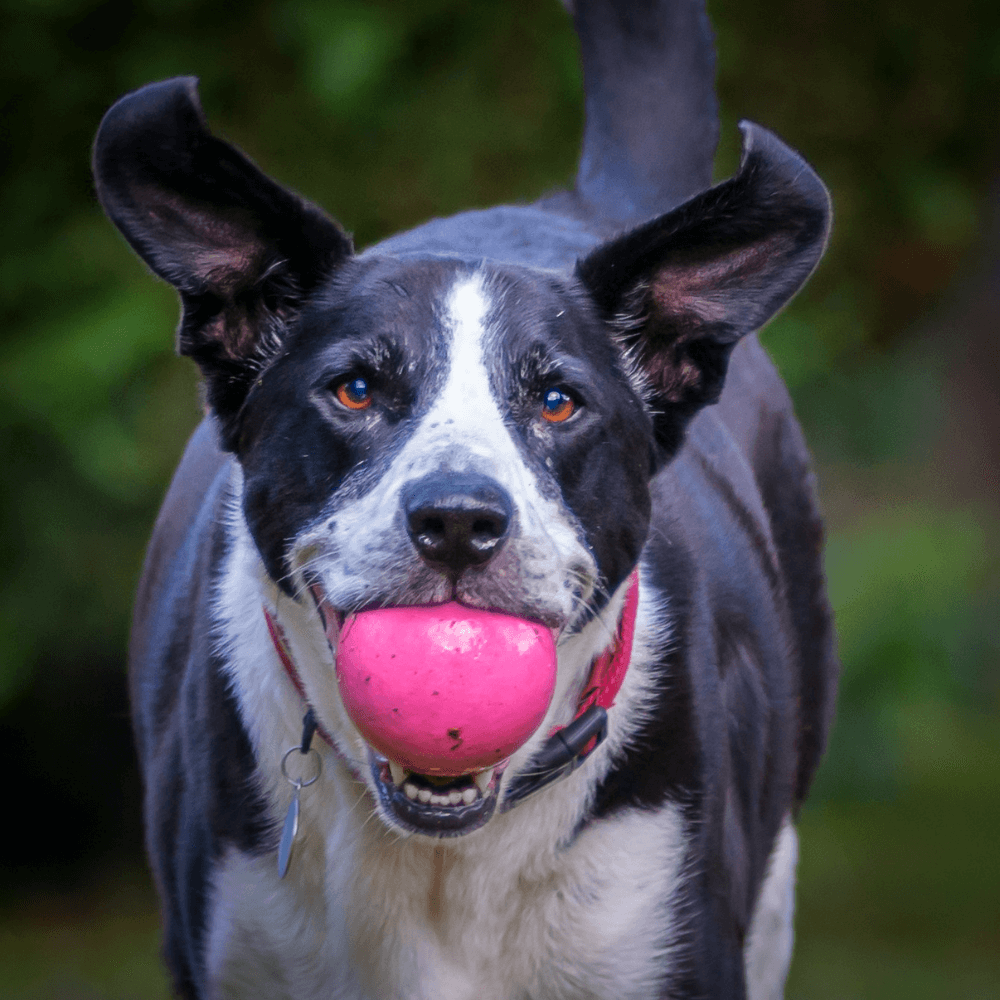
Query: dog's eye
x,y
354,394
557,405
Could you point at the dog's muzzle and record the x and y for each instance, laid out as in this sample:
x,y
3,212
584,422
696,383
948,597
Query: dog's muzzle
x,y
445,694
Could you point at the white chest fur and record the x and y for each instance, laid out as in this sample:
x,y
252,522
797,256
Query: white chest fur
x,y
506,915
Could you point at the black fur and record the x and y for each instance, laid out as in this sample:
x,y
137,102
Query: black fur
x,y
192,746
657,60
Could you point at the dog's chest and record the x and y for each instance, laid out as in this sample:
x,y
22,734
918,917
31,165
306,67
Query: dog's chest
x,y
367,919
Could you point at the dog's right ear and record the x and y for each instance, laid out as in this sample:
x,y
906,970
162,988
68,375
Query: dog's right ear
x,y
242,251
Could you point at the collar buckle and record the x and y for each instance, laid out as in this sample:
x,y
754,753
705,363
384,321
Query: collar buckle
x,y
563,752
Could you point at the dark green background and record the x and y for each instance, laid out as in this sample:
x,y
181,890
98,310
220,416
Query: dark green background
x,y
388,113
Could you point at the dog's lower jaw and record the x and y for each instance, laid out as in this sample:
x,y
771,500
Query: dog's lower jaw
x,y
414,808
406,801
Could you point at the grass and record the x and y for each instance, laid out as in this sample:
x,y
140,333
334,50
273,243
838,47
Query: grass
x,y
901,898
102,942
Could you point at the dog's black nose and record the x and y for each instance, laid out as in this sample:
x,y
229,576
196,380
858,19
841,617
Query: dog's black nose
x,y
457,520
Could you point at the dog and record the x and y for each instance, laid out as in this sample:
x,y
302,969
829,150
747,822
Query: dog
x,y
556,412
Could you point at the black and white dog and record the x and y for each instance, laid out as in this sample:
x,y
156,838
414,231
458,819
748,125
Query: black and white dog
x,y
557,411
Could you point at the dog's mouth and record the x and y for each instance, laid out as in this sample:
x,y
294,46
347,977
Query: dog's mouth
x,y
442,696
435,805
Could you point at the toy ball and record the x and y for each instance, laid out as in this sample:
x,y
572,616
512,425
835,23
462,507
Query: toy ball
x,y
445,689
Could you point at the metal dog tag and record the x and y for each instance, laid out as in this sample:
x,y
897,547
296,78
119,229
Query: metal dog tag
x,y
291,828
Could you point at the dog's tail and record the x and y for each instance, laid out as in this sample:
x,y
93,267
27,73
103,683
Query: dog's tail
x,y
652,120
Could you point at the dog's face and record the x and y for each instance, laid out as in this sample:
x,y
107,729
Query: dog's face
x,y
437,430
414,430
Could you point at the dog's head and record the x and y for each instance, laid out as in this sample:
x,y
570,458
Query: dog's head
x,y
417,429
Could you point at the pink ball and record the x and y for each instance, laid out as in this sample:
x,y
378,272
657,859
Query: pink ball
x,y
445,689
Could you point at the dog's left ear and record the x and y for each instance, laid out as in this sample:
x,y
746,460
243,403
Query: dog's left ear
x,y
681,290
242,251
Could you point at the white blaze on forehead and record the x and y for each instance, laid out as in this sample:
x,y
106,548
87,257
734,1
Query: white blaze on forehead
x,y
466,400
466,311
464,430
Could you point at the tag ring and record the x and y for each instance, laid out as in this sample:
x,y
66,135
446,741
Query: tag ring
x,y
298,782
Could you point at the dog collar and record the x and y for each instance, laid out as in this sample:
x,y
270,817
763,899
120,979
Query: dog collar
x,y
567,746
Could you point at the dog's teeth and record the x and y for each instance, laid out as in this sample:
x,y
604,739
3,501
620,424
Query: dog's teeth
x,y
483,780
439,800
398,773
455,797
469,796
410,789
424,794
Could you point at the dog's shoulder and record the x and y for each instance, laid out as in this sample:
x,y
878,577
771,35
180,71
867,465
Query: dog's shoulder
x,y
190,739
757,410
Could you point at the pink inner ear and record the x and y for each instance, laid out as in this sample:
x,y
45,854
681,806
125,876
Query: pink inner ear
x,y
228,268
219,249
212,244
705,290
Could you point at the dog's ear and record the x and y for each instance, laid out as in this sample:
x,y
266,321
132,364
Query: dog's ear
x,y
681,290
242,251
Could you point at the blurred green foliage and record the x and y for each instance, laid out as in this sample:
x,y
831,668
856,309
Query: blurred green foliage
x,y
388,113
916,614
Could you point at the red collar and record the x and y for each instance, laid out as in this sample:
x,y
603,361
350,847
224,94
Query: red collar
x,y
607,673
281,647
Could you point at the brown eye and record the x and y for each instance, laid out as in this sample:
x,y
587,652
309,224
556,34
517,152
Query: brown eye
x,y
557,406
354,394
